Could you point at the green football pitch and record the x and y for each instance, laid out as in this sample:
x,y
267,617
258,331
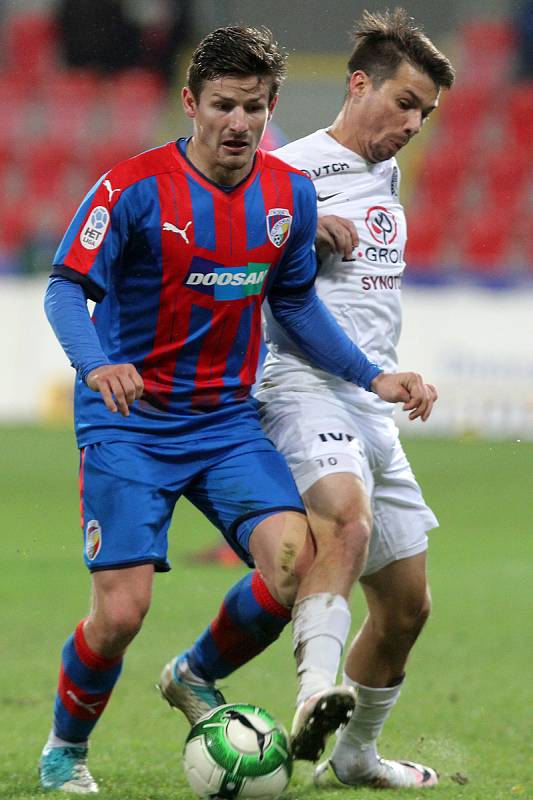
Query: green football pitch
x,y
467,704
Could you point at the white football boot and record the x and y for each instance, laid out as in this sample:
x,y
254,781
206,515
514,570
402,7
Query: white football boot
x,y
382,774
317,718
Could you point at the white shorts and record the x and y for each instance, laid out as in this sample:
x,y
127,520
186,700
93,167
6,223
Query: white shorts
x,y
318,438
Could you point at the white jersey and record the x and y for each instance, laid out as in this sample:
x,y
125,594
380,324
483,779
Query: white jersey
x,y
363,294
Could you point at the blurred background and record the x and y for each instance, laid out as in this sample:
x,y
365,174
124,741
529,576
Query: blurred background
x,y
85,83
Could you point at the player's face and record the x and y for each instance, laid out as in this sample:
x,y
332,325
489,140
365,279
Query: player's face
x,y
388,116
230,117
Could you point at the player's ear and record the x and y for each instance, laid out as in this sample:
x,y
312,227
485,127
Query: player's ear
x,y
188,102
359,82
272,105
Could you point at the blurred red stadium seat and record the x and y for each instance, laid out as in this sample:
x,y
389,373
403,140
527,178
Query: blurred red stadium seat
x,y
486,236
441,178
15,106
104,154
426,233
44,166
518,121
486,48
72,100
507,171
30,44
15,223
464,109
134,101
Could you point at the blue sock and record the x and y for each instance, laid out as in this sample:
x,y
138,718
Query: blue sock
x,y
85,684
248,621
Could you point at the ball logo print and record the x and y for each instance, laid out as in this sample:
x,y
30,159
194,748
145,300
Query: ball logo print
x,y
381,224
237,751
279,223
93,541
93,231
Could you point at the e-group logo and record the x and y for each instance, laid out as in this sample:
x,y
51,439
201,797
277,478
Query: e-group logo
x,y
381,224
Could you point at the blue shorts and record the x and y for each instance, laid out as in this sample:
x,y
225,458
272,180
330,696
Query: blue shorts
x,y
129,490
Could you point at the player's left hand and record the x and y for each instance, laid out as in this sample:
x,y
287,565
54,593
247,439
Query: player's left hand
x,y
407,388
336,235
119,384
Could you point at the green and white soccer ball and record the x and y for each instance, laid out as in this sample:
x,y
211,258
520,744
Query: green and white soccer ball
x,y
237,751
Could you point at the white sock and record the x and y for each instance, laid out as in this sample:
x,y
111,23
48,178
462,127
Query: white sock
x,y
320,626
55,741
356,750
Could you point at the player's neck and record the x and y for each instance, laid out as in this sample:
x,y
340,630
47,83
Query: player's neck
x,y
343,133
213,171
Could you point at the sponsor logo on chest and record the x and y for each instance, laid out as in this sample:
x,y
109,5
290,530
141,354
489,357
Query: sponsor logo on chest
x,y
226,283
326,169
382,225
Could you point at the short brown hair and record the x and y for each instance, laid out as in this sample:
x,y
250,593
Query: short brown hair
x,y
384,40
237,50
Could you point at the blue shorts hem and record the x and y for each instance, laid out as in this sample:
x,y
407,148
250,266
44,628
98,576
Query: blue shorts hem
x,y
241,542
159,566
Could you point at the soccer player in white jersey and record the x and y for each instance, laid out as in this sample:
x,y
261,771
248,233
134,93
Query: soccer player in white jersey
x,y
364,505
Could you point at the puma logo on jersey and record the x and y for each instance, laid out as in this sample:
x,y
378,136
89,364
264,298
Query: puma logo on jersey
x,y
90,707
168,226
110,190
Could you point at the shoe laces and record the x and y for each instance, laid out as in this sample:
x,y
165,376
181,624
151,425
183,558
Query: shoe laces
x,y
72,761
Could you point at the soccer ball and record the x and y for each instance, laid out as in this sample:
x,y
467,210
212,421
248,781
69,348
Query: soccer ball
x,y
237,751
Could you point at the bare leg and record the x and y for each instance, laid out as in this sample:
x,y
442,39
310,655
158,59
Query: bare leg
x,y
398,603
91,662
339,515
120,601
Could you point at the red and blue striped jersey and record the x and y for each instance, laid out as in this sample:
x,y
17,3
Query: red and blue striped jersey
x,y
179,267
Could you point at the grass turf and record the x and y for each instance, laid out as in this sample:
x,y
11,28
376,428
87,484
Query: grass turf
x,y
465,708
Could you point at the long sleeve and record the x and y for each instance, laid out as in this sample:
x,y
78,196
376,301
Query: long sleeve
x,y
66,308
317,334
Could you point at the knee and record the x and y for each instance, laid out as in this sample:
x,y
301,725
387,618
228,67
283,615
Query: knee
x,y
408,620
125,624
351,536
292,560
115,627
342,540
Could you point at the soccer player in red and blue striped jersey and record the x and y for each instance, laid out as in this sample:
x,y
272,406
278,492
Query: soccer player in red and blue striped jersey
x,y
179,247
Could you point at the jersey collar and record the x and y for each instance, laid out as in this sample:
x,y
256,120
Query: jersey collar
x,y
179,152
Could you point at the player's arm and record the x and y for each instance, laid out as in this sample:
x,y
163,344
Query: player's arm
x,y
407,388
335,235
314,330
317,334
298,309
66,308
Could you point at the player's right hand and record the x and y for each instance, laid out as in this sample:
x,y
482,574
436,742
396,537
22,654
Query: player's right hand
x,y
336,235
119,384
407,388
